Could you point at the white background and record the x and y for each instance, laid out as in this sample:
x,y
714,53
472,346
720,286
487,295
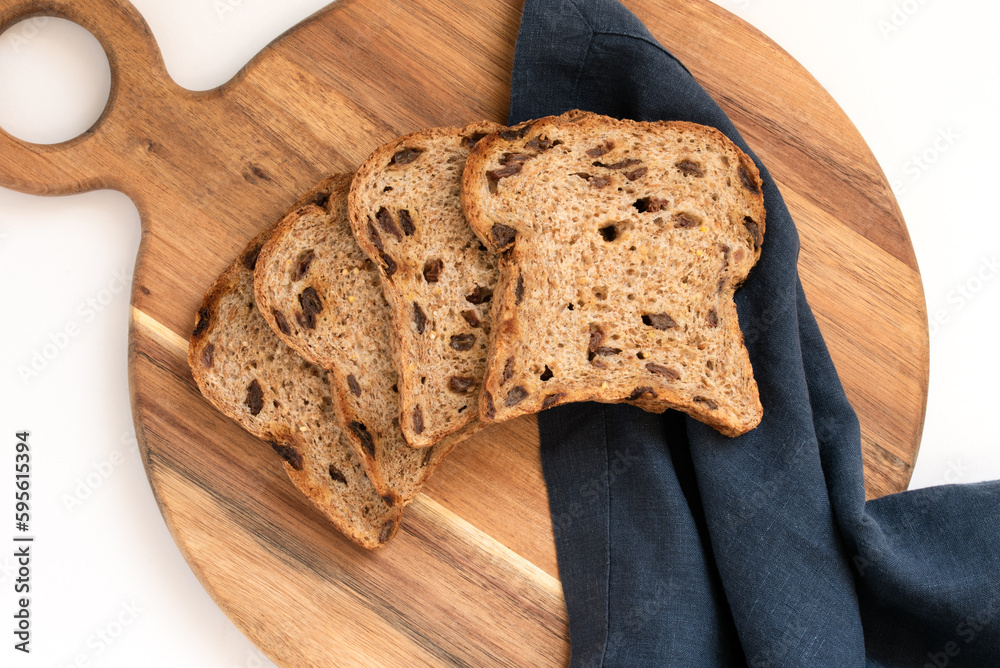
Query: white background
x,y
918,78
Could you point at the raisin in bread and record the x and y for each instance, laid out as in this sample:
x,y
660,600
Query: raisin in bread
x,y
406,214
247,373
321,295
622,244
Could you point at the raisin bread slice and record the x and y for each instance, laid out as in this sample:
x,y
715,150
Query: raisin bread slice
x,y
406,214
321,296
248,374
622,244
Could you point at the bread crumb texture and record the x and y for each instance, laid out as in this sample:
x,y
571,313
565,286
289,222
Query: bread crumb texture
x,y
621,246
405,211
250,375
312,264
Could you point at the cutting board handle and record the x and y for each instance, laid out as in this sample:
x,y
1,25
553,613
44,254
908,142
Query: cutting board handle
x,y
88,162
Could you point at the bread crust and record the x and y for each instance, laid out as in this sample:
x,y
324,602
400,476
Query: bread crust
x,y
249,375
313,249
621,244
405,211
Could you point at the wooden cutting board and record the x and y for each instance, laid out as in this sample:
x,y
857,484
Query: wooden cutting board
x,y
471,578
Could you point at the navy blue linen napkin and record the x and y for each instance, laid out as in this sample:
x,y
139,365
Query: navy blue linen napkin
x,y
680,547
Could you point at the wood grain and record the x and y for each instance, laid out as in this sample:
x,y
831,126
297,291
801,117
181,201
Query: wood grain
x,y
471,579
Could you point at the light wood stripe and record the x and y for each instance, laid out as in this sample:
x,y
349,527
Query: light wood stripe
x,y
147,325
424,506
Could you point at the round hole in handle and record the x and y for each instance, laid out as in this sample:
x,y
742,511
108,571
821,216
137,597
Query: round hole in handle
x,y
55,80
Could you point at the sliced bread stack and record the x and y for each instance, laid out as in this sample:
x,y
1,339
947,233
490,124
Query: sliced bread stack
x,y
470,275
321,296
250,375
308,290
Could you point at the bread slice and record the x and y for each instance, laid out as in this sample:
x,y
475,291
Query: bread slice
x,y
622,244
321,296
246,372
405,210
